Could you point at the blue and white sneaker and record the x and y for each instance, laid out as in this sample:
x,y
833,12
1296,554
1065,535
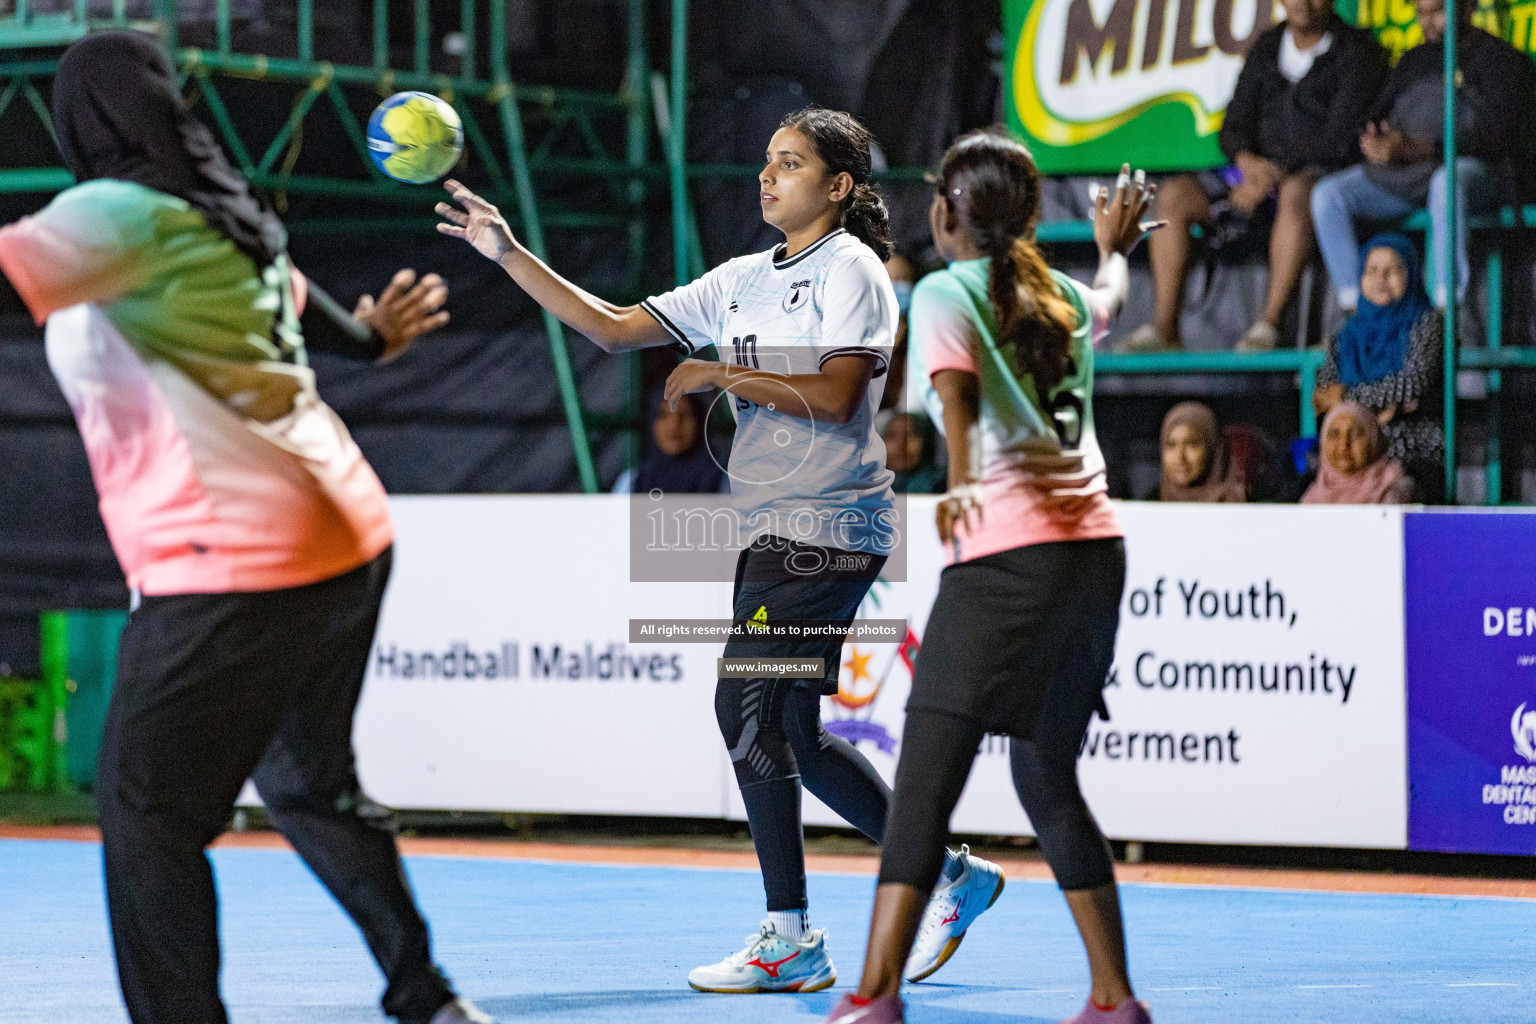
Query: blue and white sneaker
x,y
771,963
950,912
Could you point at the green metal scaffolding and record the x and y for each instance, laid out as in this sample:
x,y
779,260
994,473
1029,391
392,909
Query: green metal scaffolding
x,y
475,92
511,168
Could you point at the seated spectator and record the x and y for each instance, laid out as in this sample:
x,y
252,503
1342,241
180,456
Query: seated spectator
x,y
903,277
1389,359
911,452
1296,114
1196,464
677,460
1403,143
1355,468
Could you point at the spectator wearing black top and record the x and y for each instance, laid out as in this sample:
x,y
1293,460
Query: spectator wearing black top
x,y
1297,113
1403,140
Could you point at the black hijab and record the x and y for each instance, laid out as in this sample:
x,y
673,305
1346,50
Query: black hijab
x,y
117,114
694,471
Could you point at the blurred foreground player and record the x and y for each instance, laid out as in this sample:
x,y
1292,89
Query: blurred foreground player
x,y
1022,633
254,536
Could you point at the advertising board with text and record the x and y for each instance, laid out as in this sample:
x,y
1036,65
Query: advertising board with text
x,y
1253,699
1471,613
1091,83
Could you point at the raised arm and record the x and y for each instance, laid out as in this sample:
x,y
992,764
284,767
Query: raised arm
x,y
1117,228
376,328
612,328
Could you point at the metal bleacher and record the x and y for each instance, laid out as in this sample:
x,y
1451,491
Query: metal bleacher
x,y
1491,360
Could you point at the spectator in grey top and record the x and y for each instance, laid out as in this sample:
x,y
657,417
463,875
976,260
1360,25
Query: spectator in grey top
x,y
1403,144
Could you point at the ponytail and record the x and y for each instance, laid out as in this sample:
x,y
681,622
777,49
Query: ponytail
x,y
992,184
866,218
1032,316
843,144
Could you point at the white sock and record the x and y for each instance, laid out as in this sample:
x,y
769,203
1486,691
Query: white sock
x,y
791,924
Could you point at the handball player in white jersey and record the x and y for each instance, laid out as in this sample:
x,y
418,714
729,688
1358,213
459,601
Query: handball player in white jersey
x,y
804,333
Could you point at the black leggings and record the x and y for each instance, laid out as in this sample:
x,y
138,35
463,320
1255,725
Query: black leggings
x,y
772,727
1018,643
215,688
773,731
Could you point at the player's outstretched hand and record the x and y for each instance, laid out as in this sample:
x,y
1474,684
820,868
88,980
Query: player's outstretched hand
x,y
1118,222
405,310
479,223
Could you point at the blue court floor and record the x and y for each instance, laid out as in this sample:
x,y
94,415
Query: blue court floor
x,y
570,943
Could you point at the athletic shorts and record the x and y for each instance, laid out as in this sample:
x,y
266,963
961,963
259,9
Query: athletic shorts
x,y
1007,627
779,580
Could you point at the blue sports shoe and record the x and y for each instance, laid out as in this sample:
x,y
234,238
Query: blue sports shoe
x,y
950,912
770,963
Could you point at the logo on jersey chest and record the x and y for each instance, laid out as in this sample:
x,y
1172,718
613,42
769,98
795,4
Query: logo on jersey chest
x,y
798,295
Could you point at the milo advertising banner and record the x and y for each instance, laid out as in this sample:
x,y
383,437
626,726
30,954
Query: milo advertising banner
x,y
1092,83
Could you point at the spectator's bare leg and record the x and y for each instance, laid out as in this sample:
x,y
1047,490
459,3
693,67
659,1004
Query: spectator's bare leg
x,y
1290,242
1181,202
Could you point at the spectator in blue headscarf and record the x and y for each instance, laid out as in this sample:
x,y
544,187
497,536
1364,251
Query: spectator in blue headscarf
x,y
1388,358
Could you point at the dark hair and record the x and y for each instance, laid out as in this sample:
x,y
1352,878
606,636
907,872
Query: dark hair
x,y
843,145
990,181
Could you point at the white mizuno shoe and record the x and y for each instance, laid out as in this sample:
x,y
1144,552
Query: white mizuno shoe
x,y
771,963
950,912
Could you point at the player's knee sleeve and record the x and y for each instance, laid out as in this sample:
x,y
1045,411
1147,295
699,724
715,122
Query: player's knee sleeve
x,y
753,736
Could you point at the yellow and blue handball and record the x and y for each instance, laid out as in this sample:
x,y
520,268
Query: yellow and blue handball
x,y
415,137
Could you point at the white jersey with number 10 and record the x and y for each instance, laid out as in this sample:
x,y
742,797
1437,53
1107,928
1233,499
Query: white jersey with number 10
x,y
812,481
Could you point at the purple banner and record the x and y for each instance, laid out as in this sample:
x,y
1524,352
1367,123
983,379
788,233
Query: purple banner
x,y
1471,626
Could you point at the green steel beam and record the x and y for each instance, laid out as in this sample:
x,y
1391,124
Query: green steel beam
x,y
222,35
306,27
1303,363
224,123
166,19
11,89
380,36
301,106
467,30
1493,466
39,107
677,153
34,179
480,145
636,136
353,129
421,38
512,129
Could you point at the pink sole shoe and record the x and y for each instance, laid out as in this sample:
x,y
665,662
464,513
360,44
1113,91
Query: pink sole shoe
x,y
886,1010
1132,1011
